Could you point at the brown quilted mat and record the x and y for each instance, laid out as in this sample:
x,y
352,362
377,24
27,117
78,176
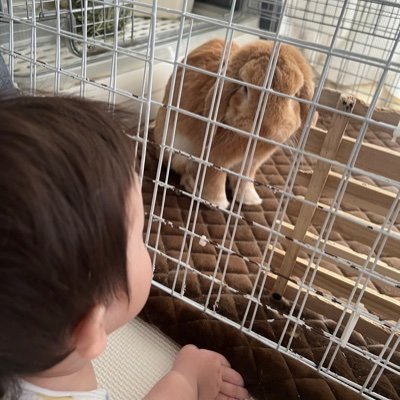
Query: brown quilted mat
x,y
176,242
269,374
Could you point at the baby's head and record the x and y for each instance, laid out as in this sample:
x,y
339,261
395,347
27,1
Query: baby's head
x,y
73,265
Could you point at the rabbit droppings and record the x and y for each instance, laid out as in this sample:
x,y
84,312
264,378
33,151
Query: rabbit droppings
x,y
237,108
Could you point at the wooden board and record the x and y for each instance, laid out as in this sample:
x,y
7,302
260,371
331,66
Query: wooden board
x,y
330,97
338,250
386,307
361,194
346,224
328,150
377,159
331,310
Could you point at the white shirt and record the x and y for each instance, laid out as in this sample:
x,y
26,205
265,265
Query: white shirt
x,y
33,392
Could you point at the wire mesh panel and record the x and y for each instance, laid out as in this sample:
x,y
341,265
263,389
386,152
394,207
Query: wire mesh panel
x,y
368,30
308,211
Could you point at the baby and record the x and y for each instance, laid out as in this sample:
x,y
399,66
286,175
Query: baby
x,y
73,265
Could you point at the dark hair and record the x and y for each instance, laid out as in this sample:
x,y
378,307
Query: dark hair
x,y
66,167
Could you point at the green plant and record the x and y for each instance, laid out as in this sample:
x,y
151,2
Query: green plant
x,y
100,17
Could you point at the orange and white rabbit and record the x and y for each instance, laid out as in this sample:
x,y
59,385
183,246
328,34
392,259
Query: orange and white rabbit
x,y
237,108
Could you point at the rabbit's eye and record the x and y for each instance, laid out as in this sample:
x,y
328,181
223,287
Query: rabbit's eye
x,y
243,90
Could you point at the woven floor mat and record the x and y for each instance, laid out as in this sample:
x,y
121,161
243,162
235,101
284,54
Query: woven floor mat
x,y
268,373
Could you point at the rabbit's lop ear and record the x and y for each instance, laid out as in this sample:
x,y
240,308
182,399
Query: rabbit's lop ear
x,y
307,87
307,93
219,100
288,77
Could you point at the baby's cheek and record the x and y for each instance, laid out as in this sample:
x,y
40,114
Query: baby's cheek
x,y
141,280
149,268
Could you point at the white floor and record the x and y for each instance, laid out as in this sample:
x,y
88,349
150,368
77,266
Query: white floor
x,y
137,356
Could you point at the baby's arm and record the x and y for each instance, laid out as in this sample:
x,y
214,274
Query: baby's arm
x,y
199,375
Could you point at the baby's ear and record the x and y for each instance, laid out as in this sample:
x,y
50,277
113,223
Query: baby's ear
x,y
90,336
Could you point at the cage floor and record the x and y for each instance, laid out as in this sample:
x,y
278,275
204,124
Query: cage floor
x,y
184,324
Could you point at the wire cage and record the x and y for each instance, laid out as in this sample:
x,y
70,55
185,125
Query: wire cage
x,y
326,236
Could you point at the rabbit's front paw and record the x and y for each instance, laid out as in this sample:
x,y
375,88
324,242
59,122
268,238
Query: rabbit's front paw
x,y
213,194
250,197
221,203
187,181
247,190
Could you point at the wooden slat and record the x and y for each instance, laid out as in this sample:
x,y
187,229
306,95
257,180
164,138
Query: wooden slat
x,y
338,250
346,224
330,97
361,194
374,159
386,307
331,310
377,159
328,150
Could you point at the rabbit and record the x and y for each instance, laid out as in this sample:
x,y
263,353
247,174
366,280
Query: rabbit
x,y
237,108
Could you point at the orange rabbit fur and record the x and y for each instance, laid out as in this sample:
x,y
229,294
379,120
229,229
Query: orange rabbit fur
x,y
237,108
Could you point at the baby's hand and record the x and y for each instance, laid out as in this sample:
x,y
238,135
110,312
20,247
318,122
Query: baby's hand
x,y
209,374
